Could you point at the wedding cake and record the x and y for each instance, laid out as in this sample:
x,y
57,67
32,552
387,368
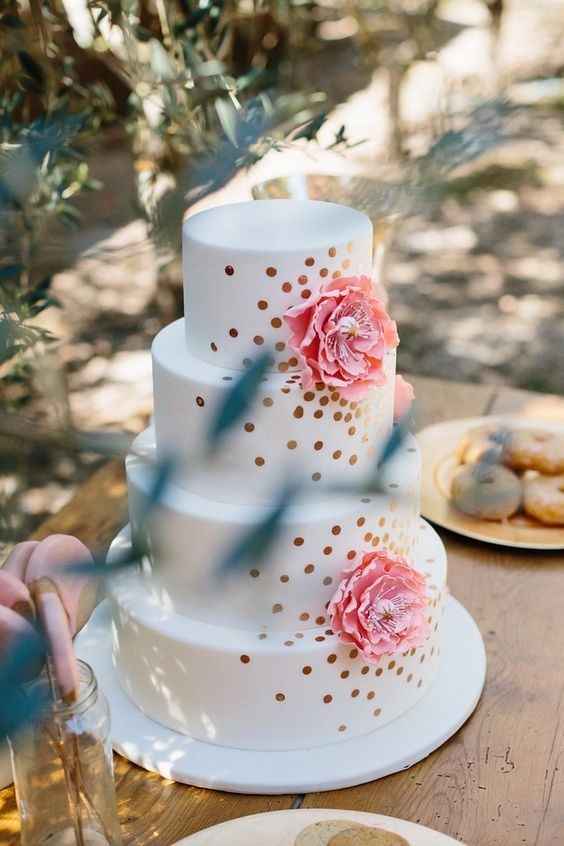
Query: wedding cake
x,y
337,631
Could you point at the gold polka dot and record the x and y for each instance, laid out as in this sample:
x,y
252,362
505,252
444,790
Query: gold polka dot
x,y
262,304
280,345
320,621
350,247
287,287
324,401
353,653
282,367
327,581
365,670
319,639
293,361
348,417
280,697
271,271
268,401
306,294
310,261
377,712
259,461
316,477
320,386
233,333
288,643
332,251
302,279
353,459
327,698
337,454
308,569
306,670
391,665
292,444
345,674
276,608
355,693
351,554
342,727
284,579
298,541
327,550
318,445
254,573
276,323
399,671
331,658
304,617
200,401
229,270
249,427
370,695
352,431
379,671
361,521
336,274
323,272
335,396
409,678
245,659
259,340
298,412
213,346
308,396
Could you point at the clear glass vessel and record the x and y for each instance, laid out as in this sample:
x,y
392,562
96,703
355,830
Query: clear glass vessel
x,y
63,772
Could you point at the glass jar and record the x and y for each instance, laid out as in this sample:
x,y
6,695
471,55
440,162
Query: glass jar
x,y
63,771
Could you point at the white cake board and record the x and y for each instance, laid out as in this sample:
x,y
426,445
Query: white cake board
x,y
394,747
282,827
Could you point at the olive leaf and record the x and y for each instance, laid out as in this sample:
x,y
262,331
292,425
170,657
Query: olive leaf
x,y
256,543
238,400
19,663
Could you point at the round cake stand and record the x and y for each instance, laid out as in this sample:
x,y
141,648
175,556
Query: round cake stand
x,y
282,828
394,747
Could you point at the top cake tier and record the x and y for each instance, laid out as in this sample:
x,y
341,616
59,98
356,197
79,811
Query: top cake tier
x,y
245,264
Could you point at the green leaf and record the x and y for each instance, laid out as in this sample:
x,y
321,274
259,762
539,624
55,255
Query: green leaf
x,y
12,21
18,664
32,68
254,546
10,271
228,118
238,400
311,128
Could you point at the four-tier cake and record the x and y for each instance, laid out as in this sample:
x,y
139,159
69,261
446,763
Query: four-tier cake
x,y
337,631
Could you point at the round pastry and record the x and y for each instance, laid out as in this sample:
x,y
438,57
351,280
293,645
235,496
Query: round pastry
x,y
368,837
486,491
479,441
543,498
535,449
320,833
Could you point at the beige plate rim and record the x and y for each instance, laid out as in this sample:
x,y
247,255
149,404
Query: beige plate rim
x,y
280,828
438,443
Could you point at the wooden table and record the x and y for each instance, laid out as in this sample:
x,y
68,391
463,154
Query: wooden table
x,y
499,780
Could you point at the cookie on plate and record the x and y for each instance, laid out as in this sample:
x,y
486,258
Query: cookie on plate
x,y
543,499
320,833
486,491
368,837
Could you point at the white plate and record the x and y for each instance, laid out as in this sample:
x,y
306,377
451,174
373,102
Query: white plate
x,y
280,828
396,746
438,446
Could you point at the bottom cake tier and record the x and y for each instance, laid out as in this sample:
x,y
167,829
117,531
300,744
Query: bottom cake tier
x,y
276,690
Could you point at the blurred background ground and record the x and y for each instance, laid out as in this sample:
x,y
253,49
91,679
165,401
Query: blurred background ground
x,y
475,280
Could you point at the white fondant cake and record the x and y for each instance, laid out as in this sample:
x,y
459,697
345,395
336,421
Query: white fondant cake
x,y
251,660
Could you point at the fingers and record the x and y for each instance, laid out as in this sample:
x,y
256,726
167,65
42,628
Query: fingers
x,y
55,624
51,559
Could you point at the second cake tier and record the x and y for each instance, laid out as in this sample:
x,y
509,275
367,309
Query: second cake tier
x,y
190,535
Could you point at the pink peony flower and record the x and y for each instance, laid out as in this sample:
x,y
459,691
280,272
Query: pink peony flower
x,y
403,397
342,335
380,606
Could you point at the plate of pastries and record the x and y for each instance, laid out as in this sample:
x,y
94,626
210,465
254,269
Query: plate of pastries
x,y
496,479
308,827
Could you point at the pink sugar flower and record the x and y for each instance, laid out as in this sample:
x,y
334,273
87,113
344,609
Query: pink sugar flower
x,y
342,335
380,606
403,397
